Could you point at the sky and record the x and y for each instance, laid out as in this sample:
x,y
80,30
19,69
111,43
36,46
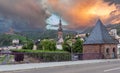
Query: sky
x,y
42,14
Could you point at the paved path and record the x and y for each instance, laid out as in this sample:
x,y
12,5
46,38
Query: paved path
x,y
41,67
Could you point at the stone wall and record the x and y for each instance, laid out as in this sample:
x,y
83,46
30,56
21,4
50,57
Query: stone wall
x,y
111,52
99,51
91,48
91,52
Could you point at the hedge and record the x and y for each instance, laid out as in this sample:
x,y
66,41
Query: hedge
x,y
47,56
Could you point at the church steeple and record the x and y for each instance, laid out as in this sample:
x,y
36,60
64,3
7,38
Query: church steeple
x,y
60,32
60,26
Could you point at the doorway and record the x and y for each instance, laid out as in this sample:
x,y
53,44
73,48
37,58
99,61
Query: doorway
x,y
114,53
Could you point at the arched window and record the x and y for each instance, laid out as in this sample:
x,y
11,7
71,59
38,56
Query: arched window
x,y
113,54
113,50
107,50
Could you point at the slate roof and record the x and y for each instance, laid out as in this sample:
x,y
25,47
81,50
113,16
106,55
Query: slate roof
x,y
100,35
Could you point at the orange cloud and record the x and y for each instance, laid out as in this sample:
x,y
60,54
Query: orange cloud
x,y
82,13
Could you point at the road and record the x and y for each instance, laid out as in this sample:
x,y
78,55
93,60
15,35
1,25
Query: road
x,y
109,67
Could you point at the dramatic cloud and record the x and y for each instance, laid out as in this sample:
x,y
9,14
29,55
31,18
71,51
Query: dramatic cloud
x,y
115,16
77,13
113,1
83,13
29,11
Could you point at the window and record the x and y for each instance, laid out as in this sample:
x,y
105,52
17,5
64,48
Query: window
x,y
107,50
113,50
113,54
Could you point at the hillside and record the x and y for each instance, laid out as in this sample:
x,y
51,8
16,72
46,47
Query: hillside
x,y
43,34
6,40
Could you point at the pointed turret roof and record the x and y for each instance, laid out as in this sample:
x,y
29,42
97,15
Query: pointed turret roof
x,y
100,35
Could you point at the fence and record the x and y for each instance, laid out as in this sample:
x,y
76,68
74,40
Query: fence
x,y
46,57
20,57
87,56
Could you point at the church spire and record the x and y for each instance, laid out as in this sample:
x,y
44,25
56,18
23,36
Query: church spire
x,y
60,33
60,22
60,26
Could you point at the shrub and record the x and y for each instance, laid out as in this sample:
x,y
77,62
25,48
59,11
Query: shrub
x,y
47,56
39,46
47,45
24,47
76,46
28,45
66,47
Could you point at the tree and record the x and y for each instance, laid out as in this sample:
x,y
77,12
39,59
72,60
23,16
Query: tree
x,y
73,45
24,47
53,45
28,45
39,46
48,45
78,46
66,47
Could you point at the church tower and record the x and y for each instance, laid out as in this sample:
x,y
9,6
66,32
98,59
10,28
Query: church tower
x,y
60,33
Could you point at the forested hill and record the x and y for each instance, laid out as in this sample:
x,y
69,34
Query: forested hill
x,y
6,39
52,34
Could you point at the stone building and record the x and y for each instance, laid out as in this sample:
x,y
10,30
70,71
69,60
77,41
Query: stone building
x,y
100,44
